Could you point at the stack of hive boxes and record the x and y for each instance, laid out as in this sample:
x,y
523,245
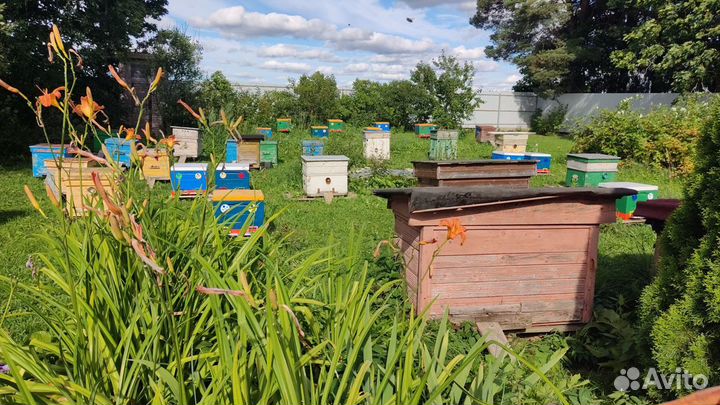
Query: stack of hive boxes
x,y
236,203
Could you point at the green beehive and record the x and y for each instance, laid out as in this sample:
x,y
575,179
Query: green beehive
x,y
443,145
336,125
625,206
425,130
268,153
284,124
99,139
590,169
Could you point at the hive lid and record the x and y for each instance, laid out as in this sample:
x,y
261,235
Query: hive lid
x,y
538,154
501,153
325,158
238,195
319,127
233,166
592,156
249,137
284,119
264,129
114,140
189,167
336,121
47,145
442,198
425,125
193,128
630,185
381,122
471,162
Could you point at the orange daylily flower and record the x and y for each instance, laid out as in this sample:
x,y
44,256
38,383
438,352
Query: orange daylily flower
x,y
130,134
148,134
56,40
455,229
50,99
118,79
160,73
88,107
8,87
190,110
170,141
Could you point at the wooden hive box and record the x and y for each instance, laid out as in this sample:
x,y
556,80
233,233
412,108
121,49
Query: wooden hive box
x,y
75,184
189,179
485,172
325,175
483,134
511,141
188,141
336,125
245,151
590,169
443,145
424,130
377,145
382,125
43,152
155,164
528,262
283,124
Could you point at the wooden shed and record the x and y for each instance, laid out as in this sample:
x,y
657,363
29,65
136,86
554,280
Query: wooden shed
x,y
528,262
475,172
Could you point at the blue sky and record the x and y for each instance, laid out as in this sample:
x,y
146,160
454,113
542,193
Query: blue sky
x,y
269,41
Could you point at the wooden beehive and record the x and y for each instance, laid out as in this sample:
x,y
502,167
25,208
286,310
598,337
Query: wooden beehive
x,y
377,145
511,141
509,173
155,164
74,182
443,145
325,175
528,262
247,150
188,142
485,133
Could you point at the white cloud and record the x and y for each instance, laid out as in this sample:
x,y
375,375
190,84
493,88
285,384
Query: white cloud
x,y
468,53
485,65
513,78
289,51
434,3
293,67
327,70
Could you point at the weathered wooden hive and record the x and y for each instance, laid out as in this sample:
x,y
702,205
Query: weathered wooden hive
x,y
511,141
475,172
73,182
188,142
528,262
325,175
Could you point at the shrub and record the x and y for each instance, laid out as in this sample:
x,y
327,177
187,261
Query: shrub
x,y
666,136
680,310
550,122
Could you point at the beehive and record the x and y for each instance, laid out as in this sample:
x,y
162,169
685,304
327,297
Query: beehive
x,y
528,260
319,131
188,179
283,124
510,173
313,148
377,145
42,152
120,150
336,125
75,184
500,155
325,174
511,141
232,176
383,125
242,210
483,134
425,130
590,169
155,164
247,150
268,153
625,206
443,145
98,140
188,142
267,132
544,160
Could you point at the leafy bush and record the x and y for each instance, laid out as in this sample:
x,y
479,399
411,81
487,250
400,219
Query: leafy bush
x,y
666,136
549,123
680,310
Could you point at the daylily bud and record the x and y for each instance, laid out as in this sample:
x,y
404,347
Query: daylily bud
x,y
33,201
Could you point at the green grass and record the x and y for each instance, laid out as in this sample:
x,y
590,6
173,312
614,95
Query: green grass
x,y
625,250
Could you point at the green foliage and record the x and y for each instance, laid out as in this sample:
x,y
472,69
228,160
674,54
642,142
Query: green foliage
x,y
565,46
676,43
179,56
665,136
449,86
216,93
317,98
680,310
549,123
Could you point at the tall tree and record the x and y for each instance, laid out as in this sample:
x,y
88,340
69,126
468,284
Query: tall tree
x,y
317,95
678,42
565,45
101,30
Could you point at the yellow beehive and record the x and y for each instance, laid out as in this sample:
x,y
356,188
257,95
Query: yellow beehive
x,y
75,184
155,164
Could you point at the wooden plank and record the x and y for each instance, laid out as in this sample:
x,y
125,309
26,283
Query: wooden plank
x,y
510,299
477,274
508,288
514,239
523,182
512,259
591,274
425,292
540,212
457,172
493,333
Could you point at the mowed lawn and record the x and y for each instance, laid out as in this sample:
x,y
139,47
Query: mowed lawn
x,y
359,222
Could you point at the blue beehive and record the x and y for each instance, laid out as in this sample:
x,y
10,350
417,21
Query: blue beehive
x,y
188,179
543,160
313,148
120,150
42,152
319,131
240,209
265,131
500,155
232,176
384,126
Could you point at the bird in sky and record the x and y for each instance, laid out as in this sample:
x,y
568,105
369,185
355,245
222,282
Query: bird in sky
x,y
409,19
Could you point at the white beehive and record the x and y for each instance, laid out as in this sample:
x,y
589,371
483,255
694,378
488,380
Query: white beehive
x,y
187,141
325,174
377,145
